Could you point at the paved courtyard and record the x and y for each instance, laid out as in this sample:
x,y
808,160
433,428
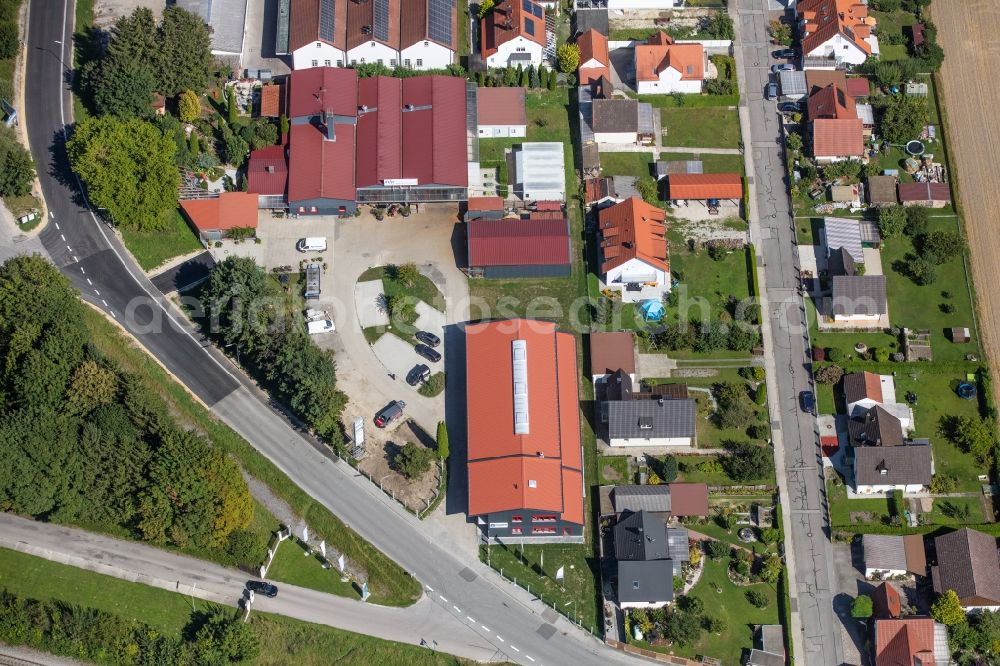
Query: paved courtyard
x,y
367,297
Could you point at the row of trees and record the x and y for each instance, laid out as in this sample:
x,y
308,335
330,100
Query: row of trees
x,y
85,442
17,171
526,77
247,309
214,637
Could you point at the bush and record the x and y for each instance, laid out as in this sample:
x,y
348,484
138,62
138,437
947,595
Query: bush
x,y
758,431
770,535
748,462
716,550
442,441
943,483
829,374
818,354
413,460
834,355
861,607
433,386
245,549
568,56
757,599
735,409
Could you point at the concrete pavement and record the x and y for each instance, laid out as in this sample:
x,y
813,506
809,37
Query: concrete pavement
x,y
815,628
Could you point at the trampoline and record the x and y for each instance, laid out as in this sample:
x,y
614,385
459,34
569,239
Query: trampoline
x,y
966,390
915,148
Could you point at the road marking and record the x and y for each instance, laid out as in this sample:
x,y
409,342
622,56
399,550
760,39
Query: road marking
x,y
105,302
69,248
52,214
514,648
63,237
457,609
75,260
485,628
442,598
89,282
97,292
470,619
83,271
113,314
57,225
429,588
499,638
529,657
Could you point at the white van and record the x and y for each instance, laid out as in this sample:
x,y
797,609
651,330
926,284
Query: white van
x,y
317,244
320,326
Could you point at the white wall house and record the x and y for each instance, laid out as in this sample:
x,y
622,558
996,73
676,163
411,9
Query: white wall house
x,y
637,270
842,49
518,51
884,469
501,112
650,422
371,52
426,55
669,81
317,54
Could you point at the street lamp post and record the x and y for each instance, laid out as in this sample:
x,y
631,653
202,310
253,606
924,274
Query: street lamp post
x,y
237,345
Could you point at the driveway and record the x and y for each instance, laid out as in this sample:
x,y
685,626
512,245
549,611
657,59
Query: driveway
x,y
398,357
848,560
258,40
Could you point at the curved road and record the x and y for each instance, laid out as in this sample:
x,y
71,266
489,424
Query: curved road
x,y
93,259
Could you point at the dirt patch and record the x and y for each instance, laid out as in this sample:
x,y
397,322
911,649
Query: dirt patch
x,y
610,473
382,447
694,372
966,31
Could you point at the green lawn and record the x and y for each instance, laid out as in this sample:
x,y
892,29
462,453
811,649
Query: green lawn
x,y
390,584
282,639
952,511
738,615
692,101
701,128
712,163
845,341
824,399
808,231
613,470
152,248
626,164
716,531
894,52
892,23
705,280
574,595
841,508
292,564
690,473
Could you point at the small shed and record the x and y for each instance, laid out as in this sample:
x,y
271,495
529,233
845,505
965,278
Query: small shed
x,y
917,88
519,248
539,172
857,86
666,168
882,191
845,194
959,334
793,85
934,195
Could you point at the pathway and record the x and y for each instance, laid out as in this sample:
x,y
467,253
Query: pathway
x,y
703,151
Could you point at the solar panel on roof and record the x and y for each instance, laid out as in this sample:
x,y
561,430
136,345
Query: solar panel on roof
x,y
326,19
439,20
381,27
529,27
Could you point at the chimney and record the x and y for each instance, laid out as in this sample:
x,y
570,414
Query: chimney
x,y
331,133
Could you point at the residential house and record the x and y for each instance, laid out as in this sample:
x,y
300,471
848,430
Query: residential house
x,y
911,641
663,66
428,37
768,646
214,218
831,102
267,176
837,132
967,563
818,79
892,555
539,173
315,32
622,121
934,195
648,423
517,248
859,300
882,191
845,233
883,469
594,59
525,457
645,584
501,112
886,602
609,190
513,34
634,250
373,30
272,100
643,537
838,30
671,500
875,427
610,352
708,189
864,391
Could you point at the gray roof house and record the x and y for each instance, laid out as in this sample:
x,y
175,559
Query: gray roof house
x,y
844,233
883,468
769,646
967,562
642,498
876,427
859,296
651,423
645,536
643,584
226,23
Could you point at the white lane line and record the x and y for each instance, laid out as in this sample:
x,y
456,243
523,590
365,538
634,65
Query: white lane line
x,y
89,282
75,260
529,657
97,292
57,226
470,619
429,588
442,598
52,214
63,238
113,314
500,638
457,609
514,648
83,271
105,302
69,249
485,628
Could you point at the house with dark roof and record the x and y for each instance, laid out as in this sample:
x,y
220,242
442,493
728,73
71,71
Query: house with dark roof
x,y
883,469
863,391
933,195
214,218
428,34
594,58
967,563
768,646
608,190
911,641
313,32
875,427
519,248
838,30
622,121
648,423
525,457
886,602
634,250
888,555
859,300
647,552
501,112
663,66
707,189
513,33
645,583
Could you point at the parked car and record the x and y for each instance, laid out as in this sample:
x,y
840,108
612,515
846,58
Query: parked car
x,y
428,338
431,355
808,401
419,373
262,587
318,326
782,67
389,413
789,107
771,91
313,314
314,244
784,53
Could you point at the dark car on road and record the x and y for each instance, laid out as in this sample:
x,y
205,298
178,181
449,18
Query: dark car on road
x,y
784,53
260,587
419,373
389,413
789,107
431,355
428,338
808,401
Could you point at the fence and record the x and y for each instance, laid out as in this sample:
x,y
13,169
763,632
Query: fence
x,y
712,45
272,548
428,503
656,656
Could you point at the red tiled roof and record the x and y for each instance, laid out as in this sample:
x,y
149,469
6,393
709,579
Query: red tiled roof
x,y
272,102
897,642
501,106
923,192
838,138
817,79
228,211
379,130
704,186
594,61
548,206
434,144
612,351
829,444
886,603
660,53
361,15
541,468
824,19
494,30
485,203
303,28
857,86
633,229
518,242
831,102
318,168
415,24
267,171
319,90
688,499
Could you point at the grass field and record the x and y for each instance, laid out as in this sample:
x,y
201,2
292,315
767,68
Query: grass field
x,y
292,564
282,639
701,128
713,163
626,164
841,508
390,585
614,470
690,101
152,248
690,472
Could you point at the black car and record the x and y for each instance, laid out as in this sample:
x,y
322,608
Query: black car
x,y
428,338
808,401
784,53
431,355
419,373
789,107
389,413
260,587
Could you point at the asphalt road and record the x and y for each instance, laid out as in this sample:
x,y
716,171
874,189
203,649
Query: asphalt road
x,y
815,627
520,629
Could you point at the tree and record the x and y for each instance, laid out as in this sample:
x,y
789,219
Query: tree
x,y
891,221
17,171
770,535
742,337
485,7
931,56
194,145
780,32
903,117
188,106
948,609
413,460
568,56
713,624
406,274
683,628
668,468
534,78
525,79
90,387
972,435
920,269
716,550
887,73
442,441
757,598
735,408
793,141
9,41
720,26
647,189
771,570
184,52
918,219
710,335
128,167
747,462
231,106
829,374
223,638
689,604
124,88
941,246
553,80
235,147
861,607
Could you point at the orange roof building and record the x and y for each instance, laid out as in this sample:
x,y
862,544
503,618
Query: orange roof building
x,y
831,102
513,34
661,66
836,139
213,218
634,250
837,29
525,458
594,58
705,186
272,100
911,642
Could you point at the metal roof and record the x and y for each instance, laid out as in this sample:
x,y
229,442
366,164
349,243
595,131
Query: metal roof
x,y
518,242
844,233
793,83
539,166
647,419
641,498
